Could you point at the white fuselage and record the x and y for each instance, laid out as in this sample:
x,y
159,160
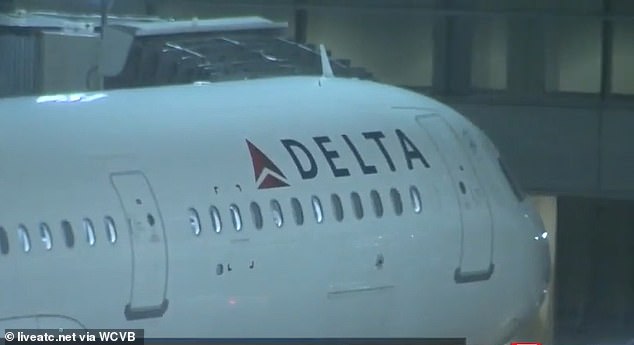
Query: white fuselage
x,y
468,262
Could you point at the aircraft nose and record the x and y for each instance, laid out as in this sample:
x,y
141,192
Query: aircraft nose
x,y
542,251
545,268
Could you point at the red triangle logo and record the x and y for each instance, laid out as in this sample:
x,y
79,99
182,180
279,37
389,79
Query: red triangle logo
x,y
262,165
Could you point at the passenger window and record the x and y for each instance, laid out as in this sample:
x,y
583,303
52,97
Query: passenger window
x,y
89,229
277,213
23,235
298,213
4,242
111,230
194,221
356,205
236,217
337,207
69,237
377,205
256,214
415,196
45,235
216,222
396,201
317,209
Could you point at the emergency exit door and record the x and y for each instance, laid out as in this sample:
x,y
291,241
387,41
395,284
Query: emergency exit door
x,y
476,255
148,244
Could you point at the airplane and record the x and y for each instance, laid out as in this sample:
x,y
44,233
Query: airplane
x,y
286,207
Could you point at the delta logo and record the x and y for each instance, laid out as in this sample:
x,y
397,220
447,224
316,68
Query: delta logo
x,y
268,175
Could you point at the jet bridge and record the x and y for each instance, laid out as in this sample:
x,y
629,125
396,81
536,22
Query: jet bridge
x,y
176,52
57,52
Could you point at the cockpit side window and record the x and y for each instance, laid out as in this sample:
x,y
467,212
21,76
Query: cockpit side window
x,y
515,186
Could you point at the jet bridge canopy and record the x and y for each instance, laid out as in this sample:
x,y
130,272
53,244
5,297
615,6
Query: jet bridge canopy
x,y
177,52
118,38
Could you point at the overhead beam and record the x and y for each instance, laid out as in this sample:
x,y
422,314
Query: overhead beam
x,y
452,53
607,36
